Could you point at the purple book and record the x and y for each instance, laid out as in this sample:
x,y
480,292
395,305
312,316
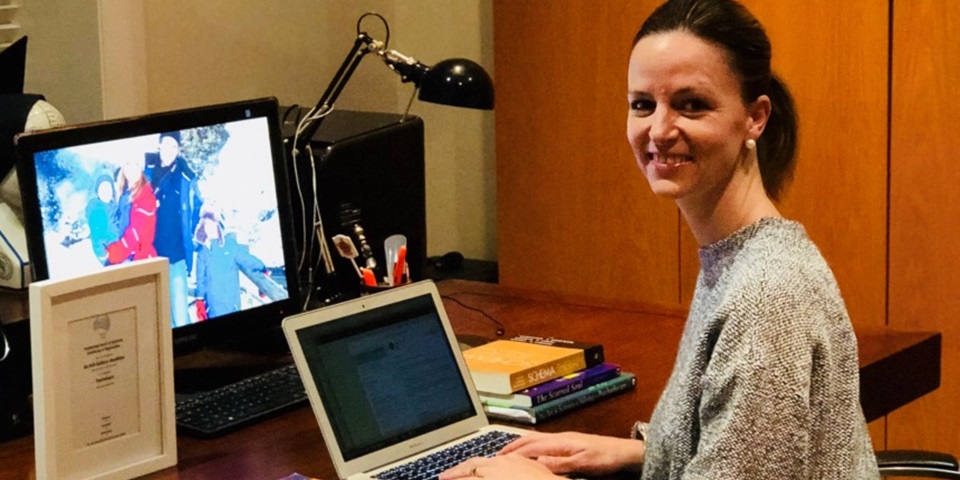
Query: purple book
x,y
554,388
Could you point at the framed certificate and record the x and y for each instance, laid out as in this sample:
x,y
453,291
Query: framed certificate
x,y
103,373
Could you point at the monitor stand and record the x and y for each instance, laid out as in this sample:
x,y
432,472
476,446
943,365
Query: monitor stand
x,y
217,365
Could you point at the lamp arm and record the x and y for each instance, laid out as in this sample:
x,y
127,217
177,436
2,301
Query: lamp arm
x,y
409,69
363,45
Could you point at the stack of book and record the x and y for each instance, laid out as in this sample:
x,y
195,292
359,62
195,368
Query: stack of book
x,y
531,379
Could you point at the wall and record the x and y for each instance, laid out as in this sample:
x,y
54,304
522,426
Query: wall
x,y
924,207
63,61
123,58
874,184
113,58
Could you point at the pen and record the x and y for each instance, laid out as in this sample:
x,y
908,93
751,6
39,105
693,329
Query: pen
x,y
368,278
400,266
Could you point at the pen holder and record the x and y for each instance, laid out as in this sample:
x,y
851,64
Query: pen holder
x,y
373,283
370,289
380,287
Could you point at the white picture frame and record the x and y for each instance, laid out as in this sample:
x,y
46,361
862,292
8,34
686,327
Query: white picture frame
x,y
103,373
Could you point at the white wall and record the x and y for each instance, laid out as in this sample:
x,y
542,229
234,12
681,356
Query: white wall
x,y
461,173
123,63
190,52
63,61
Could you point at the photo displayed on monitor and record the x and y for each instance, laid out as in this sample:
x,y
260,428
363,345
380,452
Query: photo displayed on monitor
x,y
204,188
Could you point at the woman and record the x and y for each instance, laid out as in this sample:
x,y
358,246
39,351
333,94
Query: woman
x,y
765,384
136,242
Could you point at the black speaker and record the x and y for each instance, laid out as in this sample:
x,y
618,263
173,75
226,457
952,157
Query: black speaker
x,y
370,172
16,381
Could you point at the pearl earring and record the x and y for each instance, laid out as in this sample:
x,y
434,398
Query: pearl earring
x,y
751,144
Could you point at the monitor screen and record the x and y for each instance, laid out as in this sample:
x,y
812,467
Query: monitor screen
x,y
204,187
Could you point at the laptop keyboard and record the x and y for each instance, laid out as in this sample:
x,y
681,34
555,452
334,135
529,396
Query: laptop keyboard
x,y
429,467
232,406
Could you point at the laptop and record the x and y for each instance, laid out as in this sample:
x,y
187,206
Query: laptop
x,y
387,382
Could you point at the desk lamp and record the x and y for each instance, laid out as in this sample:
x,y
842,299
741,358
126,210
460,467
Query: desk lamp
x,y
456,82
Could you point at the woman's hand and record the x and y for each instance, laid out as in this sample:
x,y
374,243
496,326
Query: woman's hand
x,y
501,467
546,455
573,452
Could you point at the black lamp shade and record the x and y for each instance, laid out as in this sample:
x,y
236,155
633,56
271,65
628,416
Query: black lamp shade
x,y
458,82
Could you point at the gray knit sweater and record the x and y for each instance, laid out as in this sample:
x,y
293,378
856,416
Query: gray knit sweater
x,y
766,382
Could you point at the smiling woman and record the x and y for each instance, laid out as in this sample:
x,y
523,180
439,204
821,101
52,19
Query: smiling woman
x,y
765,384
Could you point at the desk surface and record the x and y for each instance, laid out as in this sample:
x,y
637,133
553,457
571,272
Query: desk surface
x,y
642,338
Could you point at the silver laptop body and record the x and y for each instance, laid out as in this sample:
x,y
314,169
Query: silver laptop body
x,y
386,379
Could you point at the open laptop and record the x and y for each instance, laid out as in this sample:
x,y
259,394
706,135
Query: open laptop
x,y
387,382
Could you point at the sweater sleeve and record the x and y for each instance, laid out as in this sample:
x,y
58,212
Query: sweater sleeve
x,y
755,412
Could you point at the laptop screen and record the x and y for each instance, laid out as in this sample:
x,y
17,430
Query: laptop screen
x,y
386,375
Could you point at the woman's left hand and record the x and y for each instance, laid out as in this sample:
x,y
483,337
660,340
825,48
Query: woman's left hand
x,y
501,467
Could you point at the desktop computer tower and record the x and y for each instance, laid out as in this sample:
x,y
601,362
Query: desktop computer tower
x,y
369,169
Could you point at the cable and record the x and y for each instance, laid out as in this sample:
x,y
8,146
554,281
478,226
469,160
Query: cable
x,y
292,108
386,26
500,328
318,220
308,229
311,222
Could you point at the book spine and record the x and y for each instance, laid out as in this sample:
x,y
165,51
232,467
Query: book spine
x,y
546,372
562,387
553,389
613,386
592,352
541,413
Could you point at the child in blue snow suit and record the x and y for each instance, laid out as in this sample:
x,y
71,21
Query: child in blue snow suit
x,y
219,262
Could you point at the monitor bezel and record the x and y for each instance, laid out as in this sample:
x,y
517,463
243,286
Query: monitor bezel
x,y
221,330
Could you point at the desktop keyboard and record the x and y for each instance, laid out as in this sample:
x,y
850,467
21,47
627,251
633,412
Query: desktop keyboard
x,y
428,467
216,412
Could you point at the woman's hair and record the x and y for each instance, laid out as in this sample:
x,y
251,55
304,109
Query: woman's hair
x,y
736,31
134,187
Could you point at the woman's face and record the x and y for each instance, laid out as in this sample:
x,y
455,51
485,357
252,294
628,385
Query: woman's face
x,y
133,170
687,124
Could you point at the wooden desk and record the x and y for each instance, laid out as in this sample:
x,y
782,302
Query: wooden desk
x,y
642,338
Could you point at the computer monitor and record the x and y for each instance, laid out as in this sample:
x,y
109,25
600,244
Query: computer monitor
x,y
205,187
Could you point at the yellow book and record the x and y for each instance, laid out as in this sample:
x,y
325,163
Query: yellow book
x,y
505,366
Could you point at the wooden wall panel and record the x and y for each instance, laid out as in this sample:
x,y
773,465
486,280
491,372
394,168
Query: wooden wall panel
x,y
574,213
925,208
833,57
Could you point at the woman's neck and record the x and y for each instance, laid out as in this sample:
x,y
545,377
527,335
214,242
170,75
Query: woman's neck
x,y
743,202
